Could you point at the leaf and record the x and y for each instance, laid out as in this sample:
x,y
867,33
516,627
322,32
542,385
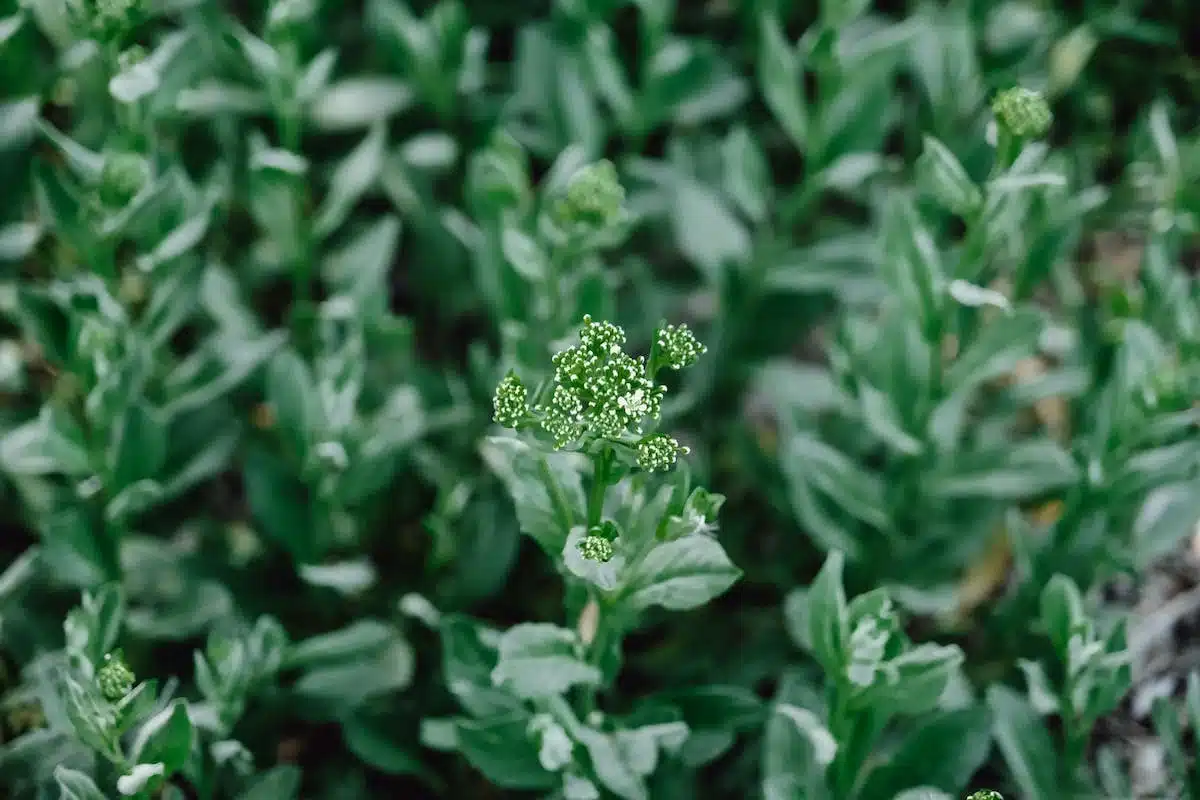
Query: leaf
x,y
39,447
546,489
855,491
277,783
524,255
1025,744
75,785
353,177
883,419
176,243
942,177
1024,470
995,351
827,615
292,393
542,660
346,668
348,578
502,749
791,765
1062,613
612,768
1168,516
707,233
779,80
680,575
747,176
944,751
165,738
138,446
359,102
362,268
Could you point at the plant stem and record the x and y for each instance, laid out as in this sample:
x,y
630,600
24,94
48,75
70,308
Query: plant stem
x,y
600,483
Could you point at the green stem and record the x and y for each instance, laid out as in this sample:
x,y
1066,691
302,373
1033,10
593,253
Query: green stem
x,y
600,482
839,721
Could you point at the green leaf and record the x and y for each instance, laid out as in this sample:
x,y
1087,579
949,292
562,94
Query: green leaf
x,y
292,393
1025,744
542,660
780,82
503,749
277,783
524,255
679,575
612,767
827,615
942,177
944,751
361,269
708,234
353,177
546,489
75,785
138,447
43,447
1169,515
855,491
346,668
995,351
1015,472
796,750
1062,613
747,176
165,738
359,102
883,419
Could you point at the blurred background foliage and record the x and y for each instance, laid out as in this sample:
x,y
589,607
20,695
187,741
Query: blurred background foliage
x,y
254,380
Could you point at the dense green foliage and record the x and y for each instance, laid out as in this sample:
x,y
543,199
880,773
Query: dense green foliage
x,y
593,398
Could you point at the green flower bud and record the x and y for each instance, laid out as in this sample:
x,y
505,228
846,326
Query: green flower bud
x,y
114,678
593,201
659,452
600,389
677,347
596,548
106,21
122,177
511,402
1023,112
986,794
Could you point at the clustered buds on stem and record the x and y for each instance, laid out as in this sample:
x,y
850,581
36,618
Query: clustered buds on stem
x,y
114,678
596,548
106,21
1023,112
986,794
122,177
593,201
601,392
658,452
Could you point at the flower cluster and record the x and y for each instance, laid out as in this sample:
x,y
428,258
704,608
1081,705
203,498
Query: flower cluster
x,y
677,347
122,177
510,405
986,794
1023,112
114,678
658,452
599,388
593,201
596,548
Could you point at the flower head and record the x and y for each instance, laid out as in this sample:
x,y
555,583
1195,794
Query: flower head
x,y
986,794
600,389
114,678
593,201
596,548
1024,112
677,347
122,177
658,452
511,402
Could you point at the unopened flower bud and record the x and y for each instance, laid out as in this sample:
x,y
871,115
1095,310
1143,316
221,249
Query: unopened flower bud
x,y
677,347
1023,112
106,21
596,548
593,201
114,678
122,177
511,402
658,452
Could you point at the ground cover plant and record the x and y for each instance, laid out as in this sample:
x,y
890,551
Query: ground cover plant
x,y
599,399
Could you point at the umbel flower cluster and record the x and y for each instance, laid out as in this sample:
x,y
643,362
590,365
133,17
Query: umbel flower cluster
x,y
1023,112
601,392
